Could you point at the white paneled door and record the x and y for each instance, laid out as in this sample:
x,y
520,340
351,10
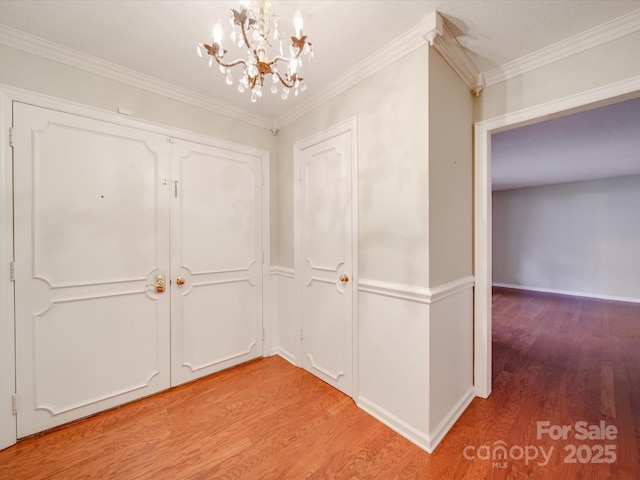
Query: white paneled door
x,y
217,301
98,303
324,217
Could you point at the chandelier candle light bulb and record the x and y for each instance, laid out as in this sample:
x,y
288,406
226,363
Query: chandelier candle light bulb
x,y
253,32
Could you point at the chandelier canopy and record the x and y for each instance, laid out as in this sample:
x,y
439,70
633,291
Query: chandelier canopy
x,y
257,32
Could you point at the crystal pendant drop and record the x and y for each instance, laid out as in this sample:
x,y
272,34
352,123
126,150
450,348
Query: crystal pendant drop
x,y
199,50
229,78
222,69
240,87
253,97
274,89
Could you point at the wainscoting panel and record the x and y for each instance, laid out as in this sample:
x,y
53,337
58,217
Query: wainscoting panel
x,y
415,351
416,356
394,358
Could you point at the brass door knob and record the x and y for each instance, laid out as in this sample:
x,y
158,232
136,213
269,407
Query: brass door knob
x,y
180,281
344,278
158,283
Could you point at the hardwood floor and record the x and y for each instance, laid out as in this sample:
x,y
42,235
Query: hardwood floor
x,y
556,359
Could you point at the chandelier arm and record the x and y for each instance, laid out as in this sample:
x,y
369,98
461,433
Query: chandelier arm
x,y
244,36
281,58
284,81
240,61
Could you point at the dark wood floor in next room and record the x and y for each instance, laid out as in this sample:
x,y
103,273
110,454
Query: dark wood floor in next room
x,y
571,362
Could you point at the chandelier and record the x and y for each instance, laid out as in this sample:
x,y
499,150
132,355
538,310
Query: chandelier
x,y
255,33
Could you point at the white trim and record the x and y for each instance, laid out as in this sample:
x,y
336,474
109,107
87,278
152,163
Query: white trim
x,y
351,126
438,433
482,200
395,290
451,288
399,426
52,51
267,295
426,441
436,32
46,101
282,271
284,354
568,292
403,45
599,35
414,293
8,432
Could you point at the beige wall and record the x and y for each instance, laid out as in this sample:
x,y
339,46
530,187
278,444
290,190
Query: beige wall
x,y
599,66
392,169
37,74
450,174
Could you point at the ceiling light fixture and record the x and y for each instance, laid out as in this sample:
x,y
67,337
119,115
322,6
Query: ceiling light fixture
x,y
255,33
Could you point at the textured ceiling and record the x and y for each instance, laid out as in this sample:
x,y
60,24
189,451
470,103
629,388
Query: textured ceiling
x,y
157,38
598,143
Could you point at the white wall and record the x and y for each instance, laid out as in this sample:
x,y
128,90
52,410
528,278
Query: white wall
x,y
580,237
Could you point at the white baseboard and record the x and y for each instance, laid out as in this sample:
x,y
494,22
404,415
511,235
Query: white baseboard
x,y
284,354
399,426
452,417
566,292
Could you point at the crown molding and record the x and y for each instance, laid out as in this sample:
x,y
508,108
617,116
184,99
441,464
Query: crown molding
x,y
384,57
426,32
591,38
52,51
438,35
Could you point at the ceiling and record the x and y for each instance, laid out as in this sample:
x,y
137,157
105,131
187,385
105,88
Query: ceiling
x,y
599,143
158,38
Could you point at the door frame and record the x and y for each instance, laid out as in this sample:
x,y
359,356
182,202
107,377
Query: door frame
x,y
9,94
351,126
483,130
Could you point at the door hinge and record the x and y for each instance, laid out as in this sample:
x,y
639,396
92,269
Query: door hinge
x,y
263,334
11,136
175,188
12,271
262,179
300,334
14,404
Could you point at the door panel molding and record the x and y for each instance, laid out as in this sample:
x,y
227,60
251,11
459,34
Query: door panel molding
x,y
218,249
308,270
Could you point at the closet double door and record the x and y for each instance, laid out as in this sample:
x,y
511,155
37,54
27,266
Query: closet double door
x,y
138,263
